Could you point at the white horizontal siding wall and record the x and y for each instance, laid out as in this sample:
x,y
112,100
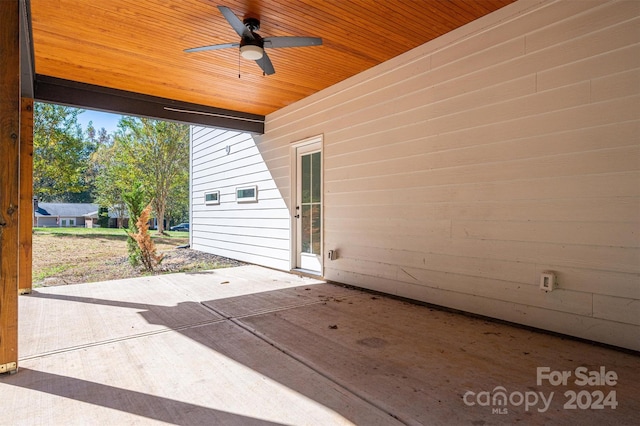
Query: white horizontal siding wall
x,y
458,172
252,232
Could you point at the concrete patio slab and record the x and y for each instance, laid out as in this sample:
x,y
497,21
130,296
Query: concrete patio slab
x,y
207,375
419,362
65,317
268,301
250,345
229,282
113,310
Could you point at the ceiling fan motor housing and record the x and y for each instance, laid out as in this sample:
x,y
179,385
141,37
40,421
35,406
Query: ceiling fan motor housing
x,y
251,45
252,23
251,39
255,41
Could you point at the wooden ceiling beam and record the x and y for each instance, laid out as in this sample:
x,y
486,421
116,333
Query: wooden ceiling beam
x,y
27,61
81,95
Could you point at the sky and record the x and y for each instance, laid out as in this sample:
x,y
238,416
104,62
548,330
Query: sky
x,y
100,119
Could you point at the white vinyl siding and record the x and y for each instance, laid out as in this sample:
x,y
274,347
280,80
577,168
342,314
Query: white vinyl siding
x,y
256,232
459,171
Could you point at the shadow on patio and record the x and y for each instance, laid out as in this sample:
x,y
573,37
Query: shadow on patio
x,y
250,345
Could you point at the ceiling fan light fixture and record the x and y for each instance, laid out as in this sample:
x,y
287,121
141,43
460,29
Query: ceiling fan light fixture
x,y
252,44
251,52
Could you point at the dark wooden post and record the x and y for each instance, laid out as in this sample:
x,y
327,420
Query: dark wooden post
x,y
25,209
9,181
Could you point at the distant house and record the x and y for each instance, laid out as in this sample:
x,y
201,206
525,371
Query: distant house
x,y
92,219
73,215
64,214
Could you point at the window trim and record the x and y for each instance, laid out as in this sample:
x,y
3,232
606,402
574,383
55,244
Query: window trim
x,y
253,199
212,202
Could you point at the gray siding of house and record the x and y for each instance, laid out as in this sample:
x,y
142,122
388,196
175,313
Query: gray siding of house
x,y
47,221
458,172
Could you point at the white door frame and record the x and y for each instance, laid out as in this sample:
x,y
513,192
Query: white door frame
x,y
309,145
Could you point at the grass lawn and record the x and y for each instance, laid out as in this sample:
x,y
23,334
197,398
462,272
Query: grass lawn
x,y
79,255
105,232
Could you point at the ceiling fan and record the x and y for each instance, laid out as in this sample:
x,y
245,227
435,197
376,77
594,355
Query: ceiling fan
x,y
252,45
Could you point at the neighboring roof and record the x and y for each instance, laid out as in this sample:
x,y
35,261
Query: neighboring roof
x,y
65,209
73,210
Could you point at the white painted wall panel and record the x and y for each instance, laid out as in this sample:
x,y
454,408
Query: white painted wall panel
x,y
458,172
252,232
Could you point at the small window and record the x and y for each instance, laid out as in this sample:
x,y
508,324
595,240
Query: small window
x,y
212,197
247,194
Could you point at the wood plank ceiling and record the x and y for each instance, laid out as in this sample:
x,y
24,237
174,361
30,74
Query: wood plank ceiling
x,y
137,45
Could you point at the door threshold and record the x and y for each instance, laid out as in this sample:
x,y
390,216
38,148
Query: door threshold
x,y
307,273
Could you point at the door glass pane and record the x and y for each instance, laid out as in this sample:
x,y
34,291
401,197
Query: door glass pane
x,y
315,178
316,218
306,178
306,229
310,199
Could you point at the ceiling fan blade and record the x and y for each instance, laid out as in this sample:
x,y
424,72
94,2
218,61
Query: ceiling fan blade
x,y
212,47
235,22
265,64
276,42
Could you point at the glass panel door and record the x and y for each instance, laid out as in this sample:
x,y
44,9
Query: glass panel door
x,y
309,209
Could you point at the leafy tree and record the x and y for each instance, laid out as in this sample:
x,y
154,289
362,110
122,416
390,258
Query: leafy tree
x,y
113,176
103,217
95,140
158,154
178,201
98,137
60,153
99,140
